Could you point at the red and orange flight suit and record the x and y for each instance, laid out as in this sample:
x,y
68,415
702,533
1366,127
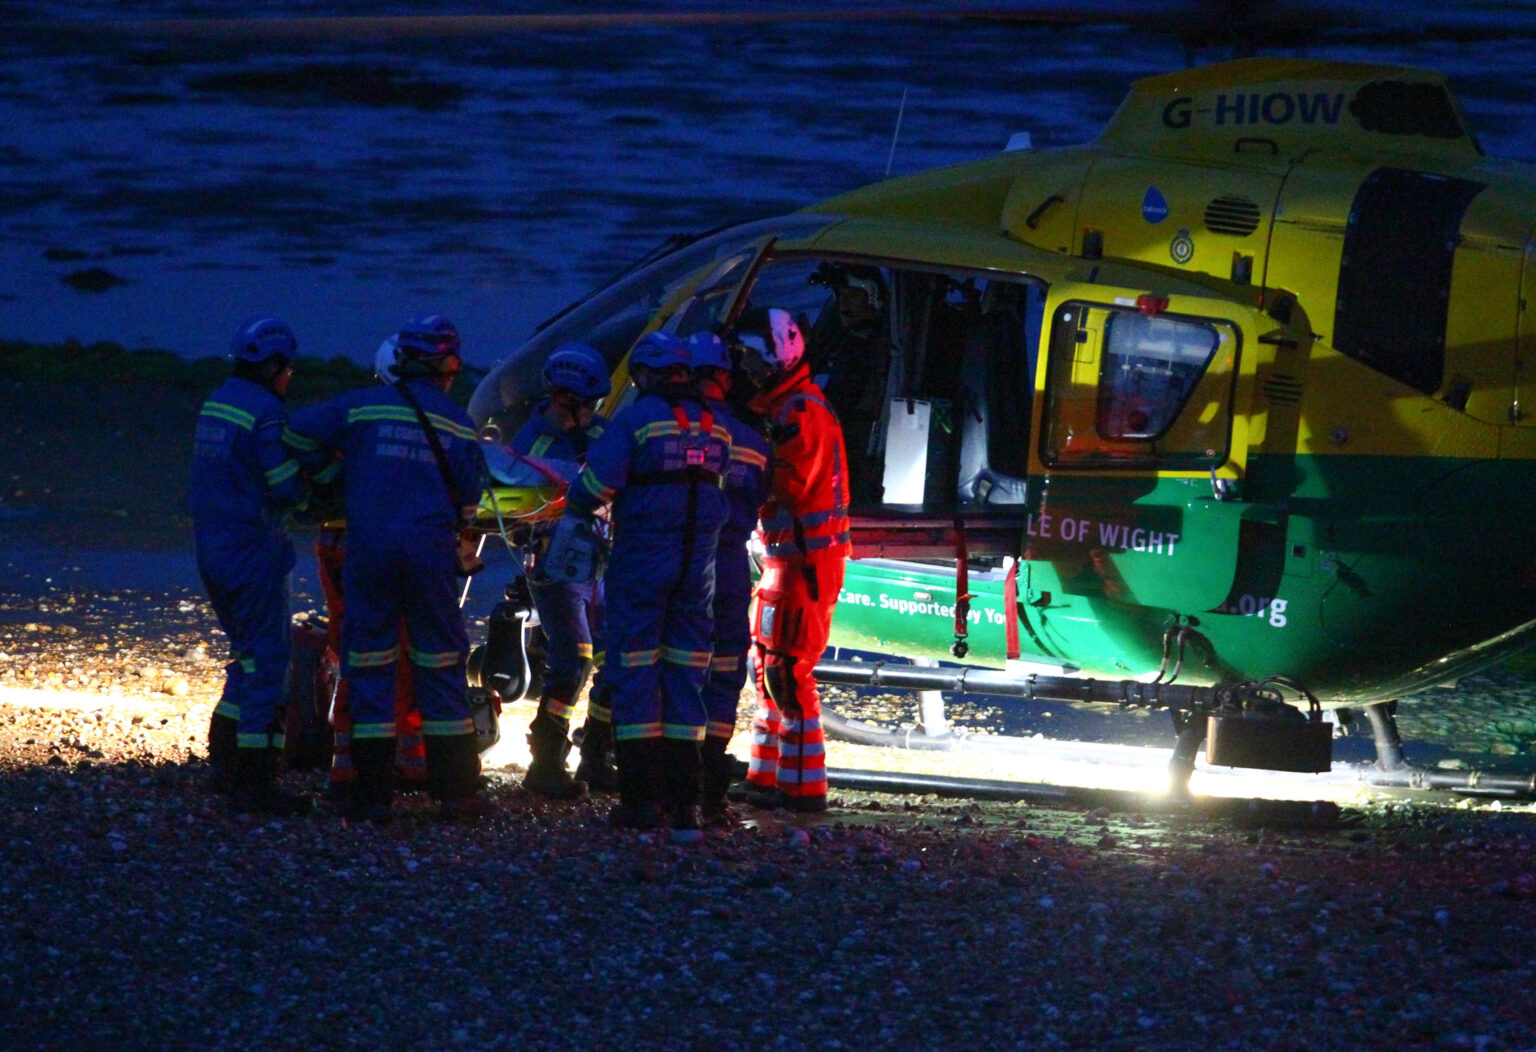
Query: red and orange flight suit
x,y
804,530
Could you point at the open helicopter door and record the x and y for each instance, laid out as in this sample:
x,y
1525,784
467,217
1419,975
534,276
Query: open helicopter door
x,y
938,431
1143,438
929,370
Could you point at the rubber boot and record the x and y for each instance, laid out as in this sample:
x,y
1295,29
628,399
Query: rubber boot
x,y
597,768
372,796
718,769
761,797
255,790
680,781
805,805
547,775
223,743
453,775
639,770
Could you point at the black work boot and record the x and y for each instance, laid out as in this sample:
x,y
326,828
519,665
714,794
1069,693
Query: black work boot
x,y
223,743
680,780
547,775
453,773
597,768
640,790
718,769
763,797
372,795
255,790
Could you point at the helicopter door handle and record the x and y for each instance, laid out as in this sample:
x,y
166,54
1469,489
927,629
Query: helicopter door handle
x,y
1034,217
1246,141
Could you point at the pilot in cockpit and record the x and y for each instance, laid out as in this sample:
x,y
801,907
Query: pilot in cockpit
x,y
849,354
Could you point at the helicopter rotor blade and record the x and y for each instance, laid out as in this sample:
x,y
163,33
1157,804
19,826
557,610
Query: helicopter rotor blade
x,y
1247,25
381,27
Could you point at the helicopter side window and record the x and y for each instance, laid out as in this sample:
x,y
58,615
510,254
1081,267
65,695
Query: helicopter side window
x,y
1148,373
1128,389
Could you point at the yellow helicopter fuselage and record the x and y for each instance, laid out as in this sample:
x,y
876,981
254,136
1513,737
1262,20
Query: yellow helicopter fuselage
x,y
1245,371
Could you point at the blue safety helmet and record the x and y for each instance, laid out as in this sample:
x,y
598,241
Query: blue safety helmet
x,y
708,351
577,368
258,339
659,350
427,336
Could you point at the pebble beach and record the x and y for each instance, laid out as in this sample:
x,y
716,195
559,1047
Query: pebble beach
x,y
141,915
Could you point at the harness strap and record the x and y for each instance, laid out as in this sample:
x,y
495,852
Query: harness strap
x,y
1011,609
963,595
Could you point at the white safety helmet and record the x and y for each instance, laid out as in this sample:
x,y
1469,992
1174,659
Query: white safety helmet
x,y
771,335
384,361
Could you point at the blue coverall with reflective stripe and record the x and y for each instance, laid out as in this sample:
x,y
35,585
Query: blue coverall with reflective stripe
x,y
402,534
243,480
661,578
571,614
746,487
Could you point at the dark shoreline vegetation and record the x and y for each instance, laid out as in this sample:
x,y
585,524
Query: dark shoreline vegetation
x,y
74,362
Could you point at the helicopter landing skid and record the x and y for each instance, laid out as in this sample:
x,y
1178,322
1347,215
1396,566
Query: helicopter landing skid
x,y
1244,736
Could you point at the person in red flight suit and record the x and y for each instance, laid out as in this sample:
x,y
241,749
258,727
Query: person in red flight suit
x,y
803,528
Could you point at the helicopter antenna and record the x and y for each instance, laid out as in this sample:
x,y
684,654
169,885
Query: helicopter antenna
x,y
900,110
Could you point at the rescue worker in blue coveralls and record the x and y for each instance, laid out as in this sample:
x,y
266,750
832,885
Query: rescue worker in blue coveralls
x,y
413,478
660,462
562,427
746,488
243,483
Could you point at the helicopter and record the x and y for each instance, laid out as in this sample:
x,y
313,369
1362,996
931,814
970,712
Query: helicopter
x,y
1221,412
1220,408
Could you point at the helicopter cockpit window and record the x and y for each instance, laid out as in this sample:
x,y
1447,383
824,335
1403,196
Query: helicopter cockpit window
x,y
705,310
612,318
1130,389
